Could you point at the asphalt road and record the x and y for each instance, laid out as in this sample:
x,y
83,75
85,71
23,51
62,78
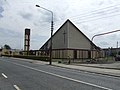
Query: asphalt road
x,y
17,74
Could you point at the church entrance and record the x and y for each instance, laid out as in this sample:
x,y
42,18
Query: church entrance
x,y
89,54
75,54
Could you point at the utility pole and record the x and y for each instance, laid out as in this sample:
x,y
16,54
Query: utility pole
x,y
50,59
117,44
117,48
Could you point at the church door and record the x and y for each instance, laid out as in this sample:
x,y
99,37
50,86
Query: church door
x,y
89,54
75,54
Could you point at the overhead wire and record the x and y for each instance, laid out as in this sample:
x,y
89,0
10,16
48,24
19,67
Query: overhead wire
x,y
110,13
91,19
97,14
97,11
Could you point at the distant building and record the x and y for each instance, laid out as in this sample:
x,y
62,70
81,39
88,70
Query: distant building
x,y
111,51
10,51
70,42
6,51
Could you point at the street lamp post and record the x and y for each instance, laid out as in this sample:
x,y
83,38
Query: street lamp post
x,y
100,35
50,62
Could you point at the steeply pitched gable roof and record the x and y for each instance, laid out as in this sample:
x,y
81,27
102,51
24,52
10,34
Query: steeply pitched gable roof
x,y
77,29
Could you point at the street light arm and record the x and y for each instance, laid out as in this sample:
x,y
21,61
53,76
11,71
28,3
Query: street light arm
x,y
100,35
104,34
45,9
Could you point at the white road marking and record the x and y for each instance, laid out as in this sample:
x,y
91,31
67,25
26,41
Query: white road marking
x,y
16,87
4,75
64,77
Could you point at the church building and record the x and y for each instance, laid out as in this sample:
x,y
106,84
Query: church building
x,y
68,42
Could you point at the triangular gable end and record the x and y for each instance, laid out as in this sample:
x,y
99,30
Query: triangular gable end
x,y
70,37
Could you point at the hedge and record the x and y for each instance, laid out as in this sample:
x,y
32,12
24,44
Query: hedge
x,y
29,57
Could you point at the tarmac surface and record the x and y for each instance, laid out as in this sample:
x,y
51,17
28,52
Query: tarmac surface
x,y
27,74
111,69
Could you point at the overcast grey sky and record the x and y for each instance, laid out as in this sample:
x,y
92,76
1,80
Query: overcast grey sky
x,y
90,16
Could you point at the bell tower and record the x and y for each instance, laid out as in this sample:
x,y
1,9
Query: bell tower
x,y
27,40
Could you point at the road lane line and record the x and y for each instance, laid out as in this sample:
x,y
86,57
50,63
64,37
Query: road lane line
x,y
16,87
64,77
4,75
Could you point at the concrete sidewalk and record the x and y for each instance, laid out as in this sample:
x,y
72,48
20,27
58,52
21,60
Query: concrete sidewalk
x,y
104,71
94,68
115,66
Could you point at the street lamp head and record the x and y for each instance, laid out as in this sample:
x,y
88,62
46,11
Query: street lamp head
x,y
37,5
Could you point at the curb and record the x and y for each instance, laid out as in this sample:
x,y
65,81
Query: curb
x,y
88,71
100,67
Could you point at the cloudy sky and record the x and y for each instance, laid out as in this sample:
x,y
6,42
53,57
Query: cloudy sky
x,y
90,16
